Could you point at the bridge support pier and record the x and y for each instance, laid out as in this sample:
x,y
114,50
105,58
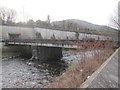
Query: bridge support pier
x,y
46,53
34,53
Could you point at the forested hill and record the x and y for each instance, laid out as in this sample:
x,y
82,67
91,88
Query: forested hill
x,y
83,26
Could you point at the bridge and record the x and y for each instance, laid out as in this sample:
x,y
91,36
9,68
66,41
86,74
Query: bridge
x,y
45,43
44,49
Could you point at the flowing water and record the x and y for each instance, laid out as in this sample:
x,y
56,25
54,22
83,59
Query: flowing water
x,y
23,73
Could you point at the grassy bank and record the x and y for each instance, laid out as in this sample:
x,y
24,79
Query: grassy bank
x,y
78,72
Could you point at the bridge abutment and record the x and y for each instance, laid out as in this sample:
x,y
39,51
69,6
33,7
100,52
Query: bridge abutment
x,y
46,53
22,51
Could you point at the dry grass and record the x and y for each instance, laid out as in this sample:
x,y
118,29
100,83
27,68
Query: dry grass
x,y
78,72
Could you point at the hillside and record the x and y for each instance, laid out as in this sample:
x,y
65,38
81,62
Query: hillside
x,y
83,26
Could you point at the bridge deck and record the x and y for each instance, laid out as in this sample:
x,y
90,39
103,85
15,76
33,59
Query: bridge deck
x,y
43,42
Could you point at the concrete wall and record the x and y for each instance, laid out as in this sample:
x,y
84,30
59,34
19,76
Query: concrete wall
x,y
30,33
48,33
46,53
23,51
26,33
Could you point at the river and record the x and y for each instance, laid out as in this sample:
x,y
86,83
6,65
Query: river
x,y
23,73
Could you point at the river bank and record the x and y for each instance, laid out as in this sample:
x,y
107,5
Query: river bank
x,y
79,71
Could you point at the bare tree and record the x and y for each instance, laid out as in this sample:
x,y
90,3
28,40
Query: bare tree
x,y
115,19
11,15
118,19
2,14
7,15
116,23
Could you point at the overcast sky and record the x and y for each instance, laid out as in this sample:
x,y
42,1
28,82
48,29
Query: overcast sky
x,y
94,11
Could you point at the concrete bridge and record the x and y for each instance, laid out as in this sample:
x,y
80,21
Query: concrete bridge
x,y
44,49
45,43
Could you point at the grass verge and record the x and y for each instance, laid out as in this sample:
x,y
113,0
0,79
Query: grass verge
x,y
78,72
